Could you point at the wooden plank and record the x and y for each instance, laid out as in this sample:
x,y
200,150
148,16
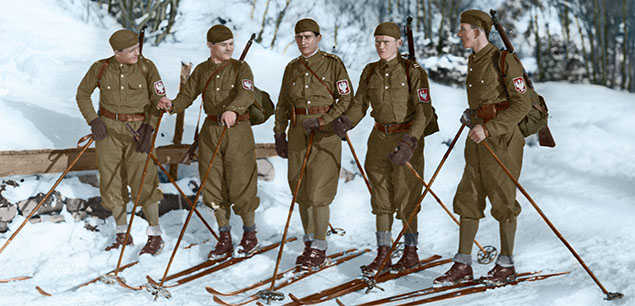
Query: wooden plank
x,y
27,162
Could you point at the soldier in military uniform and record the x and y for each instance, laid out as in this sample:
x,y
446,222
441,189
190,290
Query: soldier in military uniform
x,y
227,90
315,90
499,105
130,86
398,92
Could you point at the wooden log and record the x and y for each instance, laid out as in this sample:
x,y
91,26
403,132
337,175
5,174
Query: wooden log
x,y
26,162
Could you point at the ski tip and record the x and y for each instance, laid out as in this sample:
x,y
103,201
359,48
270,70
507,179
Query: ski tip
x,y
211,290
42,292
19,278
295,299
221,302
151,280
122,283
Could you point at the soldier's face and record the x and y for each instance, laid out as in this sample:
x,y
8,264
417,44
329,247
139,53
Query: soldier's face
x,y
387,47
129,55
222,51
307,42
467,35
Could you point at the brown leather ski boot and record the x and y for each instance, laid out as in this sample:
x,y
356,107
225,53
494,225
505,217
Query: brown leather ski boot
x,y
119,241
223,246
305,253
409,259
153,246
499,275
315,260
248,244
458,273
382,253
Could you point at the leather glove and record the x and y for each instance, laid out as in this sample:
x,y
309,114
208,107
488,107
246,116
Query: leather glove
x,y
98,128
311,125
145,138
468,116
342,125
282,147
403,151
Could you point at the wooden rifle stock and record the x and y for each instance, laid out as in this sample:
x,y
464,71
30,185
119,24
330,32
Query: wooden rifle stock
x,y
187,158
411,41
142,35
501,32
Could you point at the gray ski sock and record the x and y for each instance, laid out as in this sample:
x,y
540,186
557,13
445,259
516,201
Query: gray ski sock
x,y
249,228
463,258
307,237
154,230
384,238
225,228
505,261
411,239
121,228
319,244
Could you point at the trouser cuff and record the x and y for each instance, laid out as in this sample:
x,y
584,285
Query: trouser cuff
x,y
384,238
154,230
505,261
319,244
463,258
249,228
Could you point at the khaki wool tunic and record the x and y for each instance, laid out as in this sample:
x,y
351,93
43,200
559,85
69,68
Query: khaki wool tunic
x,y
234,176
301,89
384,86
124,88
483,177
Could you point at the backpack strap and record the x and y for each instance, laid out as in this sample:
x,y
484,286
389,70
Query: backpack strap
x,y
215,72
101,72
501,67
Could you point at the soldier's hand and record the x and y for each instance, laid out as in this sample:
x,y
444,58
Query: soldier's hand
x,y
311,125
98,128
342,125
478,133
145,138
403,151
282,147
468,117
228,118
165,104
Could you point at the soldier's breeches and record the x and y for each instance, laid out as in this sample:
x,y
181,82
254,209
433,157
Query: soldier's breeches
x,y
306,216
233,177
395,189
151,213
383,222
484,178
321,176
120,166
321,221
222,214
507,230
119,213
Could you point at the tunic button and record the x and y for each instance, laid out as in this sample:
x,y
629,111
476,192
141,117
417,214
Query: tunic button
x,y
308,102
385,87
232,85
470,69
469,85
482,81
386,74
403,84
306,86
121,87
306,73
323,78
293,83
122,75
139,85
217,89
107,87
217,76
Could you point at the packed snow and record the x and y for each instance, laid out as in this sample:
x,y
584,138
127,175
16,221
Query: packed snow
x,y
584,185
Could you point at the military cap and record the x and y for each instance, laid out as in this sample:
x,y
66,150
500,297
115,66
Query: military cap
x,y
307,24
479,18
123,39
388,29
219,33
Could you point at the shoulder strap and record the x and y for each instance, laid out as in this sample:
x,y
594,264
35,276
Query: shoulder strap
x,y
501,63
318,78
210,78
373,67
101,72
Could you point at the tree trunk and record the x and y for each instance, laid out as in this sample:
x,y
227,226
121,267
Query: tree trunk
x,y
625,44
262,25
585,56
278,21
605,52
253,8
441,36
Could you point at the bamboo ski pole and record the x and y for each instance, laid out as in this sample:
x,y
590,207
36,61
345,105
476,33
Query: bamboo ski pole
x,y
373,281
609,295
136,202
271,292
48,194
189,215
359,165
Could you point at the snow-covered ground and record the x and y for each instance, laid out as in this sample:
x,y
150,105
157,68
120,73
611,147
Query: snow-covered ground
x,y
584,185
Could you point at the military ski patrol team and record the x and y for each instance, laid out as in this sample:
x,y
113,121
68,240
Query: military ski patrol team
x,y
317,106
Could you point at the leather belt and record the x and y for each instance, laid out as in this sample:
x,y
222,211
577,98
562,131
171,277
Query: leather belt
x,y
488,112
242,117
121,116
312,110
394,127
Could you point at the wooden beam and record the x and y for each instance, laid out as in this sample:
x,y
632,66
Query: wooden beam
x,y
28,162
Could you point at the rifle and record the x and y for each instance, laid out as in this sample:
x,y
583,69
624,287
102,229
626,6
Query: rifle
x,y
411,42
544,135
189,155
142,35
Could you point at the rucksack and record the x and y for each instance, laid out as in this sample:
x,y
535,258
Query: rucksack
x,y
537,118
262,108
432,126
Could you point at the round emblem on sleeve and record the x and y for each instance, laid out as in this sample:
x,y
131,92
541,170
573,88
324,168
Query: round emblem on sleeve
x,y
424,95
343,88
248,84
159,89
519,85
